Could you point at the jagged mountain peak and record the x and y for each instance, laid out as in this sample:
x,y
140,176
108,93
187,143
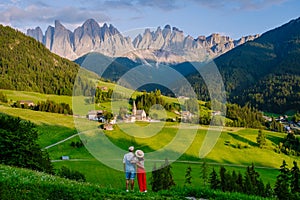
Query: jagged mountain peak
x,y
105,26
167,27
91,23
58,24
106,39
36,33
113,30
176,29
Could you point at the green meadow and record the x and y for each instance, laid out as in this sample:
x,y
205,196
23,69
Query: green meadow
x,y
235,148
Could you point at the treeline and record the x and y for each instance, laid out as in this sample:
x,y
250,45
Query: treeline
x,y
250,183
239,116
245,116
102,96
147,100
276,93
286,186
290,145
27,65
47,106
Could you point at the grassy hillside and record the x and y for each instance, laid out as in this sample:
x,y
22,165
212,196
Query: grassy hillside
x,y
23,184
236,148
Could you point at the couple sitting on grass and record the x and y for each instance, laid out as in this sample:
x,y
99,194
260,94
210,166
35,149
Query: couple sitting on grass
x,y
134,163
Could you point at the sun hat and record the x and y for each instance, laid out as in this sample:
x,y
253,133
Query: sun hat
x,y
139,153
131,148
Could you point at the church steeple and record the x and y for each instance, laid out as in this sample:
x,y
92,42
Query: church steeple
x,y
133,109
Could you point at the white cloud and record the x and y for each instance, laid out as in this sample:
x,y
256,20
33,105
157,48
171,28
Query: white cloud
x,y
36,14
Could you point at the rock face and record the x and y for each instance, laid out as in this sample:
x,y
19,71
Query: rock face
x,y
163,45
36,33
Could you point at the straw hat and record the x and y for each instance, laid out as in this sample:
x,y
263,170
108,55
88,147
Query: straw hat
x,y
139,153
131,148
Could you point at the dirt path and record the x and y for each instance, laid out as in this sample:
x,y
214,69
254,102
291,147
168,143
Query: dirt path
x,y
52,145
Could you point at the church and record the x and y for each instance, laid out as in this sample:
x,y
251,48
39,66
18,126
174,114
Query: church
x,y
137,115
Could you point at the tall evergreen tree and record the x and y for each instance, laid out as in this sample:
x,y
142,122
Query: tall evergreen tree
x,y
155,179
261,139
224,179
188,176
248,187
282,189
268,190
204,172
251,180
260,188
214,180
233,182
162,178
239,182
295,178
167,176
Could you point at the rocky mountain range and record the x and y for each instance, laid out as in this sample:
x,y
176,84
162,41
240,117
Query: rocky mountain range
x,y
163,45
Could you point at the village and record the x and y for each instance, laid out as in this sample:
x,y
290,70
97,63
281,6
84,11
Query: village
x,y
140,115
133,116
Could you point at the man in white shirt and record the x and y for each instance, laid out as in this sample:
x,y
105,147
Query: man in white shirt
x,y
129,167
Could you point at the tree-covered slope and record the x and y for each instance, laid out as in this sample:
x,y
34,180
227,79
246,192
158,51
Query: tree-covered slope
x,y
264,72
26,64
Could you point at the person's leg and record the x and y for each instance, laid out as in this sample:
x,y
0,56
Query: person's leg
x,y
140,181
127,176
127,183
132,177
132,184
144,181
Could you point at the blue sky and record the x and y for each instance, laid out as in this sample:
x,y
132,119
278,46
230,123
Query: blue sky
x,y
234,18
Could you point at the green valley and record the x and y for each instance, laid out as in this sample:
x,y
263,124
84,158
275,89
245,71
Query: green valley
x,y
236,148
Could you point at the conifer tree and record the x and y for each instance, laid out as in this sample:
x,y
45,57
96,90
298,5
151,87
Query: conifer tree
x,y
268,190
162,178
239,182
260,188
188,176
247,184
233,182
251,180
213,180
295,178
261,139
155,180
204,172
167,176
224,179
282,189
